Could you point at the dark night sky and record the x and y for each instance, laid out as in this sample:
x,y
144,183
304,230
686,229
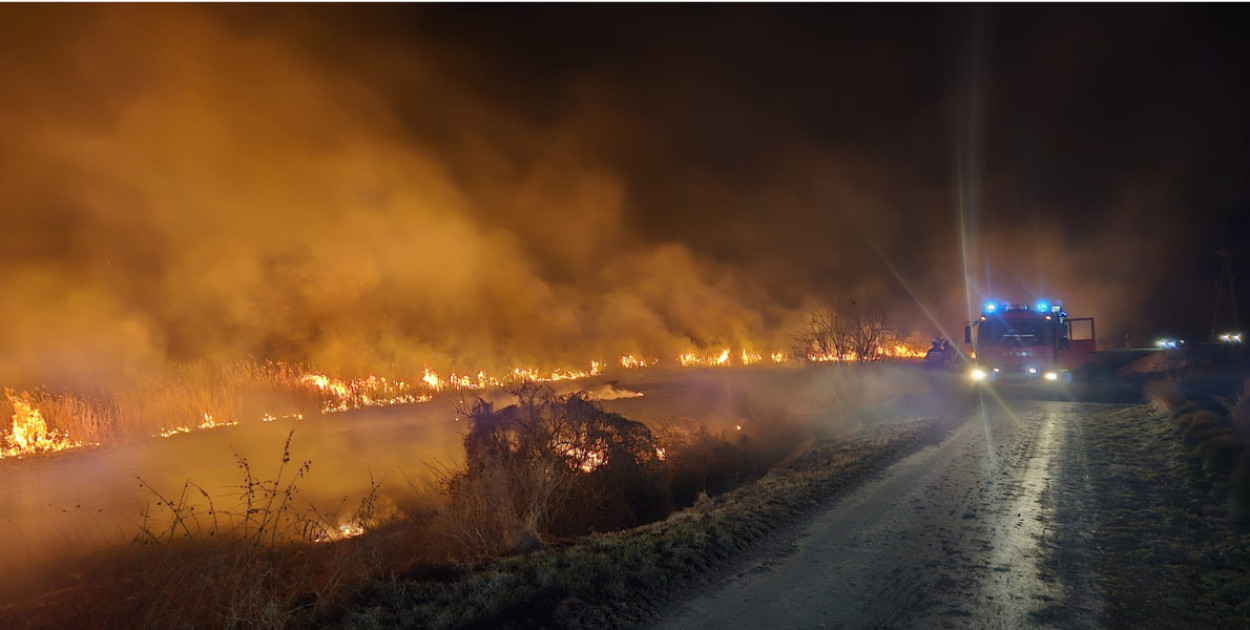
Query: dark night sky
x,y
1123,128
628,165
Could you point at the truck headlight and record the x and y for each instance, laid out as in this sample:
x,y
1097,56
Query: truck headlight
x,y
1051,376
978,374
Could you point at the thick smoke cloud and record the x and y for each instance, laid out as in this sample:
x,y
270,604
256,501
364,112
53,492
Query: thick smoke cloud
x,y
176,189
381,188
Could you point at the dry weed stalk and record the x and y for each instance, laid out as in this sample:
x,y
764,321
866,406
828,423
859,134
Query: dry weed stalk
x,y
255,565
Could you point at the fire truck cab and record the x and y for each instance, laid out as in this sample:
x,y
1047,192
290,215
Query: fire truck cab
x,y
1022,343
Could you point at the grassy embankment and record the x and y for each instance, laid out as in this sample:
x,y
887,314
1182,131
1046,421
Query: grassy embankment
x,y
1169,518
624,579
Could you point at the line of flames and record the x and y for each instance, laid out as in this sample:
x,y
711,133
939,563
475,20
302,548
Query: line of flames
x,y
897,351
30,435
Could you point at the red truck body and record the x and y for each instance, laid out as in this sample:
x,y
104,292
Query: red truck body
x,y
1029,342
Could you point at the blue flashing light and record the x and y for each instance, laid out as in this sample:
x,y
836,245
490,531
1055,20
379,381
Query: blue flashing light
x,y
990,307
1043,306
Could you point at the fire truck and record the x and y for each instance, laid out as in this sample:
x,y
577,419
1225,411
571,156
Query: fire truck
x,y
1028,343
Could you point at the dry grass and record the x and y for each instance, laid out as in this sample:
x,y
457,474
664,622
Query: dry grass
x,y
264,561
190,396
1165,394
1164,545
624,579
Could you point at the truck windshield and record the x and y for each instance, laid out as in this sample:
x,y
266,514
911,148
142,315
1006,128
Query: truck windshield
x,y
1019,332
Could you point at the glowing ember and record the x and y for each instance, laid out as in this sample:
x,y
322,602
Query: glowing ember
x,y
174,431
343,531
272,418
585,460
210,423
351,530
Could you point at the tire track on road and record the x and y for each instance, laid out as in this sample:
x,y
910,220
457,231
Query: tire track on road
x,y
950,536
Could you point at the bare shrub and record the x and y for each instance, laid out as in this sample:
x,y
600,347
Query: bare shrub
x,y
699,461
263,563
847,328
550,465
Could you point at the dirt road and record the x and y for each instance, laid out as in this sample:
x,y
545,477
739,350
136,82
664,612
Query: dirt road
x,y
953,536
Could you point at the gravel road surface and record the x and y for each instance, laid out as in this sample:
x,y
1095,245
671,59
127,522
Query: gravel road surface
x,y
952,536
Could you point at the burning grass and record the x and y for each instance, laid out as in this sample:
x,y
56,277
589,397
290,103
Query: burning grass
x,y
544,474
200,396
30,434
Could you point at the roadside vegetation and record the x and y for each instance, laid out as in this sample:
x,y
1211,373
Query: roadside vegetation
x,y
1166,522
562,511
624,579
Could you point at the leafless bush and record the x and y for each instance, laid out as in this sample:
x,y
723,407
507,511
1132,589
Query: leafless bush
x,y
846,329
527,463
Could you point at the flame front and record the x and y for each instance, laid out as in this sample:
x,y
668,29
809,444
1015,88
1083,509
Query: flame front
x,y
30,434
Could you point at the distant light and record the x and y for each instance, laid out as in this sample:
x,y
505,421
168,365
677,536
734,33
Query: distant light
x,y
1231,337
1051,376
978,374
1032,370
1168,343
